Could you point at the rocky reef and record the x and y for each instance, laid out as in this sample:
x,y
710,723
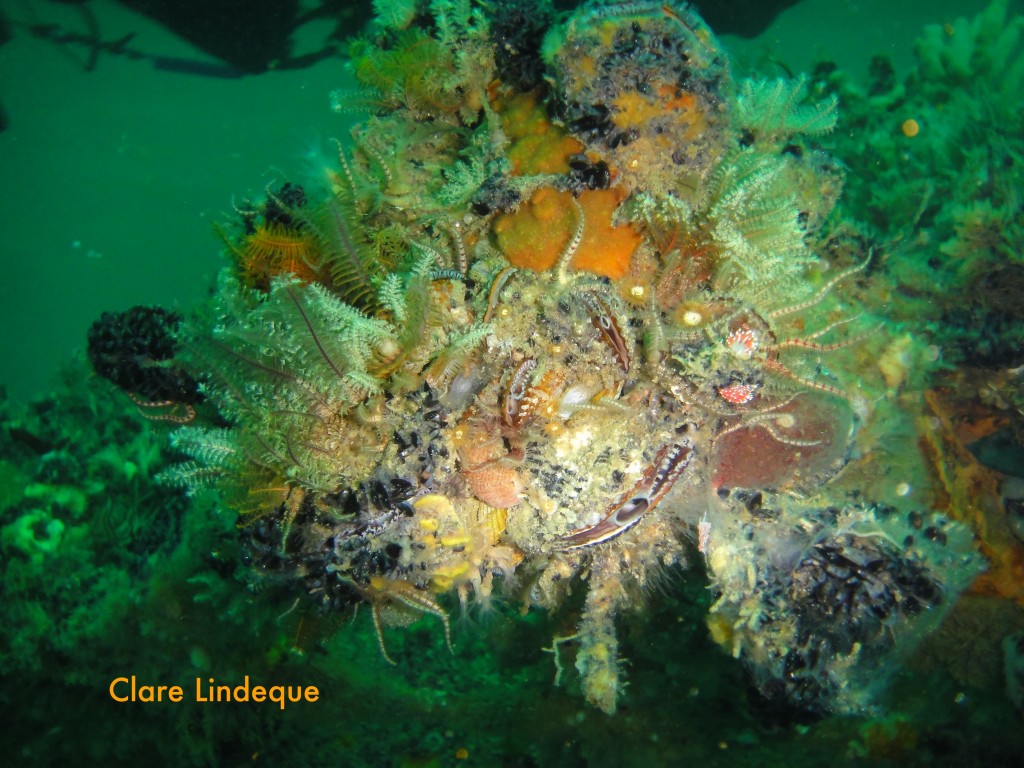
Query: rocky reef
x,y
575,310
598,402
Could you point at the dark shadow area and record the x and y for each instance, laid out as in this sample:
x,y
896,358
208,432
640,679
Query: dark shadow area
x,y
245,36
744,18
254,35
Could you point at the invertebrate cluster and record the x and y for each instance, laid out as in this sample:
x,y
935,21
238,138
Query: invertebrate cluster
x,y
562,339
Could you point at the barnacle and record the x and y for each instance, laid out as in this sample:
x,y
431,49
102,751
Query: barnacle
x,y
557,339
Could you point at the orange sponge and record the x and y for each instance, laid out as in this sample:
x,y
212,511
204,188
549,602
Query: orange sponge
x,y
539,232
538,146
534,236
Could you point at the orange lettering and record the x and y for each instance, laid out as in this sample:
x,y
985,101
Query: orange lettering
x,y
113,683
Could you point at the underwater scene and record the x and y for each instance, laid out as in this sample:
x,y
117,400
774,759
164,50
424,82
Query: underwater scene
x,y
453,382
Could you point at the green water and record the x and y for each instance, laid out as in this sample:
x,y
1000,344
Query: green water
x,y
115,173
